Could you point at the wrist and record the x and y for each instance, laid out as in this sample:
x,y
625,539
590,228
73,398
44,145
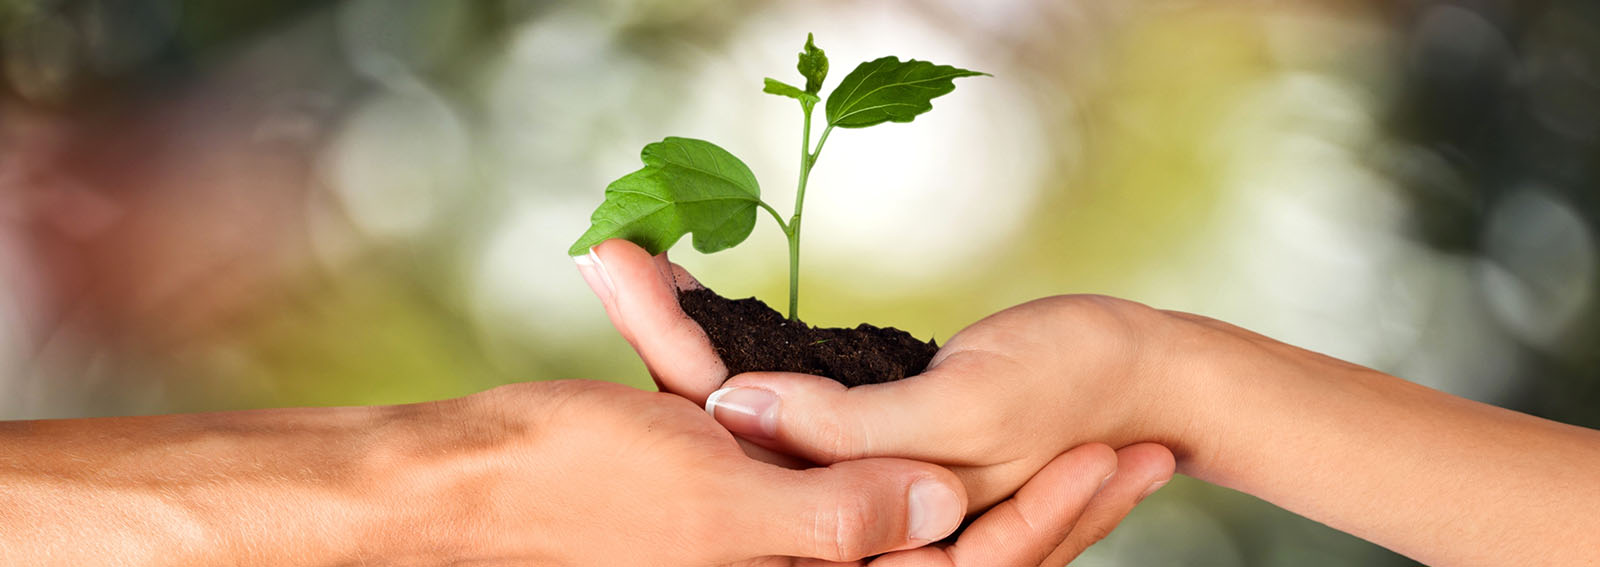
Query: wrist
x,y
415,486
1184,387
1208,384
1248,398
449,476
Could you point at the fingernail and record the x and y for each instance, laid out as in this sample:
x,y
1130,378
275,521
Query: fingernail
x,y
1105,481
1153,488
934,511
594,274
745,411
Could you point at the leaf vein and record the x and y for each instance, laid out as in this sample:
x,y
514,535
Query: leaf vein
x,y
861,110
633,192
916,83
853,90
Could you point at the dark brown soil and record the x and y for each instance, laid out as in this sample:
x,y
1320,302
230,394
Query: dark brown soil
x,y
751,336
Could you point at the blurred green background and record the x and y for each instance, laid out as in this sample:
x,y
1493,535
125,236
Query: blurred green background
x,y
208,205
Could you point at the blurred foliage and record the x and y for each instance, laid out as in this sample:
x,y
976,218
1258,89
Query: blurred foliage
x,y
1497,99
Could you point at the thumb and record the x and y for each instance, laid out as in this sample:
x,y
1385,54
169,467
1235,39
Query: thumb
x,y
640,295
824,422
844,512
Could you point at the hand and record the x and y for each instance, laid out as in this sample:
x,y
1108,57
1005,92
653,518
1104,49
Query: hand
x,y
570,473
592,473
995,405
600,474
1348,446
1000,399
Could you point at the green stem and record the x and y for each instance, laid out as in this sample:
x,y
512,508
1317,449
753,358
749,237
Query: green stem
x,y
821,142
793,230
775,215
808,158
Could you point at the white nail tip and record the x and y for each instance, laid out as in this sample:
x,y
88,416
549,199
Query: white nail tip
x,y
711,401
591,261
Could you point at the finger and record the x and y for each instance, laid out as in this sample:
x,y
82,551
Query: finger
x,y
1025,529
640,295
1141,470
822,421
840,513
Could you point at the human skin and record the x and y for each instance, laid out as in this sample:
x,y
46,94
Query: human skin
x,y
639,293
1441,479
552,473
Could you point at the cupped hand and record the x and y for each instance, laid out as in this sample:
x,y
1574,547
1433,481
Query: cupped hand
x,y
593,473
1001,400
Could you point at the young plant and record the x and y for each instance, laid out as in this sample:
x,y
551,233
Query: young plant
x,y
692,186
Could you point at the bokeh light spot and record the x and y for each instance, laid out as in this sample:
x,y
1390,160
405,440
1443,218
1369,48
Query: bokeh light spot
x,y
1538,269
397,161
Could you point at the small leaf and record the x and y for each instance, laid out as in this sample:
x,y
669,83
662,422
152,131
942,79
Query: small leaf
x,y
686,186
813,65
887,90
781,88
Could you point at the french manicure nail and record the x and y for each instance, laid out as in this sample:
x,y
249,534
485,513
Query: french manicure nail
x,y
747,411
594,273
933,511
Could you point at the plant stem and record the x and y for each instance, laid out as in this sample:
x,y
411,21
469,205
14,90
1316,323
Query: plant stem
x,y
775,215
793,230
820,142
808,158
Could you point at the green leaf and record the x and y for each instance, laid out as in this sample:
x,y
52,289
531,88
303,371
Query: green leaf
x,y
813,65
781,88
686,186
887,90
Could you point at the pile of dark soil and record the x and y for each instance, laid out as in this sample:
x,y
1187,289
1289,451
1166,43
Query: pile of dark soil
x,y
750,336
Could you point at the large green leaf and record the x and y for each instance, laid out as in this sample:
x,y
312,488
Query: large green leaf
x,y
888,90
686,186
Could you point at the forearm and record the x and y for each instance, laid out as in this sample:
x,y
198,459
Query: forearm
x,y
267,488
1445,480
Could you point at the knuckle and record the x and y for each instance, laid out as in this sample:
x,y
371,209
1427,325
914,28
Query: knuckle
x,y
1118,323
832,440
1112,319
1111,311
844,530
562,401
525,392
1092,532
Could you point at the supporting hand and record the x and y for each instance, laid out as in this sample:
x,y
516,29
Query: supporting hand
x,y
560,473
1439,478
950,417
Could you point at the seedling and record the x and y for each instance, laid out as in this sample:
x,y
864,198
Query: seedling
x,y
693,186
